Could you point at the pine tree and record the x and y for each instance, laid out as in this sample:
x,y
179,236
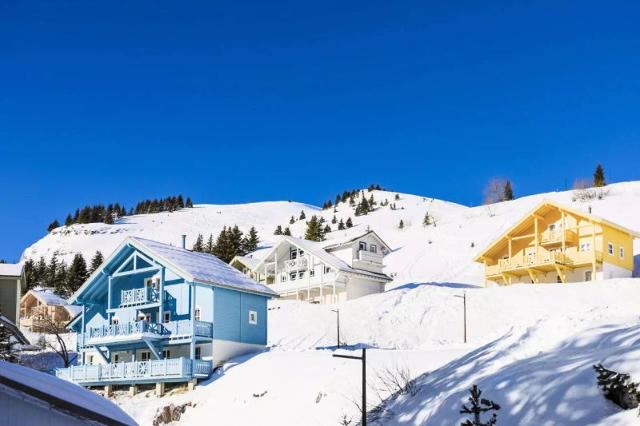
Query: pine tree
x,y
236,239
338,199
315,231
618,387
76,275
53,225
372,202
180,201
250,242
96,261
302,215
598,177
363,207
209,247
508,192
198,245
188,203
221,247
108,217
340,225
352,200
287,231
69,220
29,273
427,221
334,220
401,224
349,223
278,230
326,229
397,197
292,221
478,407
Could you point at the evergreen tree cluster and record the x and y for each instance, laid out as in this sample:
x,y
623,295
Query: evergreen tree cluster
x,y
231,242
477,407
64,279
279,230
618,388
349,196
107,214
316,229
365,206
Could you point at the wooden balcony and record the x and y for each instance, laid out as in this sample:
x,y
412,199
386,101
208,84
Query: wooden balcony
x,y
544,262
554,238
135,331
369,256
163,370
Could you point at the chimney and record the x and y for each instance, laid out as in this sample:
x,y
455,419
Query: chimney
x,y
184,241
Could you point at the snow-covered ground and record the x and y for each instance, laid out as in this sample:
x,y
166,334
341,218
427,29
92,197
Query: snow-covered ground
x,y
530,348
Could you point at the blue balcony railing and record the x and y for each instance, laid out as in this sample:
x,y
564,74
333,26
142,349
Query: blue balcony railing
x,y
132,330
174,369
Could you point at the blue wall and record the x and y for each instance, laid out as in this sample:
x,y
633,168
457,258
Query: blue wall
x,y
231,317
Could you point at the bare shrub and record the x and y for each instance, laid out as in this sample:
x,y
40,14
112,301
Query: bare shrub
x,y
49,326
583,190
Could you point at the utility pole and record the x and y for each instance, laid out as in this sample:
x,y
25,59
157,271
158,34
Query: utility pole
x,y
337,311
464,305
363,358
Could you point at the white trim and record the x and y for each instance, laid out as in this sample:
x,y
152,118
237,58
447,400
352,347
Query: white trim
x,y
253,317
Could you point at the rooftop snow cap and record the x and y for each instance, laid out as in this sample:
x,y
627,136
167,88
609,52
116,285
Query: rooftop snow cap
x,y
184,241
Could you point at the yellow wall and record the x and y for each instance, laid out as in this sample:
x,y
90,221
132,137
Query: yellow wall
x,y
618,239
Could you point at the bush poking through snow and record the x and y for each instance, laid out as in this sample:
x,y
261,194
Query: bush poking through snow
x,y
618,388
479,406
397,381
170,413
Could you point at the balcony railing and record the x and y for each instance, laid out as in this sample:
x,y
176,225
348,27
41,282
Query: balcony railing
x,y
138,296
555,237
543,259
136,371
293,264
132,330
369,256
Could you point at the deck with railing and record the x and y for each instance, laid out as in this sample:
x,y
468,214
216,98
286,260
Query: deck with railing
x,y
172,369
138,296
131,331
548,259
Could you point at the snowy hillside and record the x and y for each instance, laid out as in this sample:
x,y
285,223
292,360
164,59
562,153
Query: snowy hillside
x,y
530,348
442,253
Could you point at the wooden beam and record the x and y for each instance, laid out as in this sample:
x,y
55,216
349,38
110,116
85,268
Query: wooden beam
x,y
561,273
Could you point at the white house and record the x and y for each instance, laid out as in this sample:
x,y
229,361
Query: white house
x,y
328,271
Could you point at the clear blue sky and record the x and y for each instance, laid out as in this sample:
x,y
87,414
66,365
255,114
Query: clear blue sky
x,y
237,101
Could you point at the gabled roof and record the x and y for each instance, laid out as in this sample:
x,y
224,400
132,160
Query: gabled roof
x,y
11,269
248,261
349,236
318,249
45,296
192,266
543,207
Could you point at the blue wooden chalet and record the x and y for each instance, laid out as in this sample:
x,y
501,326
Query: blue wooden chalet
x,y
155,313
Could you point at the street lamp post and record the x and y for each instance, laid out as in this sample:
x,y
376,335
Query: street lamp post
x,y
363,358
337,311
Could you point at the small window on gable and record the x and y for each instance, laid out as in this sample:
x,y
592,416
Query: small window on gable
x,y
293,253
621,252
373,248
363,245
253,317
197,314
610,248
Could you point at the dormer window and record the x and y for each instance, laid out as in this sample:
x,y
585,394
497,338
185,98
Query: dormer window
x,y
363,246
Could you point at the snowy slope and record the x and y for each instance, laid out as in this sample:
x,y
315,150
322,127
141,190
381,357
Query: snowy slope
x,y
443,253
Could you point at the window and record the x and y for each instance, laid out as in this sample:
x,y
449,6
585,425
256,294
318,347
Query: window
x,y
327,269
373,248
116,358
621,252
283,278
115,320
144,317
587,275
166,353
552,227
253,317
153,282
90,359
363,246
585,247
300,275
293,275
167,316
197,314
558,279
610,248
312,273
145,355
198,352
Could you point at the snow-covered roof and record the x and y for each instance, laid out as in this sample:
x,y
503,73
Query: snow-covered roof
x,y
202,267
248,261
63,395
339,238
10,269
46,296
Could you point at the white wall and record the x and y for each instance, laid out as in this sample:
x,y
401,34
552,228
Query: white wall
x,y
612,271
358,287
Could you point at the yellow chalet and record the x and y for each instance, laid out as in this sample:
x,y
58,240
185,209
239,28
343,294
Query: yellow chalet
x,y
554,243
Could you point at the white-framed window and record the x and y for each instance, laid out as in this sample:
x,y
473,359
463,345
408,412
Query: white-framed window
x,y
144,317
253,317
585,247
283,278
363,245
293,275
198,314
115,320
621,252
610,248
166,353
300,275
588,275
116,358
312,272
145,356
198,352
327,269
373,248
153,282
166,317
